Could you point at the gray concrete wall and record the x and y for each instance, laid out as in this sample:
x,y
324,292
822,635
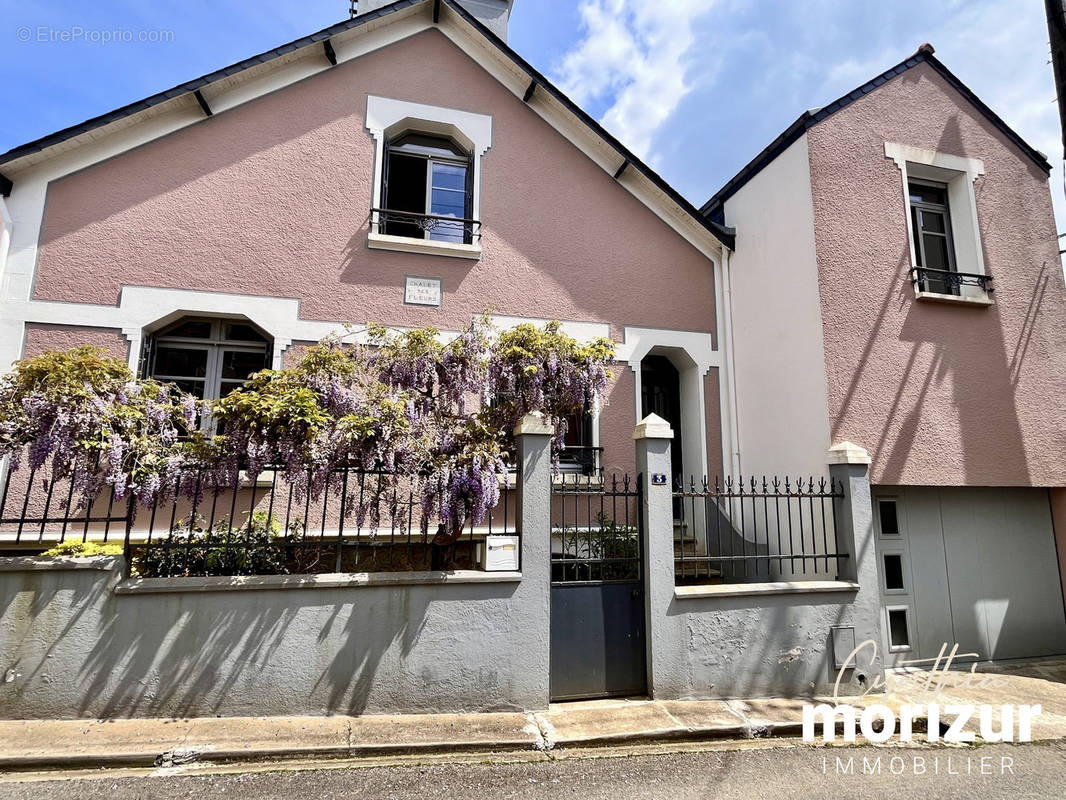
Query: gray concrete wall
x,y
762,644
71,647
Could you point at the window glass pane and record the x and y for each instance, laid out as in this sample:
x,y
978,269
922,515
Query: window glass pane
x,y
243,333
240,364
185,362
449,176
932,221
936,251
228,386
192,329
898,636
889,521
920,193
195,388
448,203
893,571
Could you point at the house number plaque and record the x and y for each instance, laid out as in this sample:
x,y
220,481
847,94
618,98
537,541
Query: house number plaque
x,y
422,291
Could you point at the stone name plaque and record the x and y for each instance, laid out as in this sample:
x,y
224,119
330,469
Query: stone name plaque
x,y
422,291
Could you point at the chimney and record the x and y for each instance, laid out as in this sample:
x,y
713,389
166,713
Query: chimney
x,y
493,14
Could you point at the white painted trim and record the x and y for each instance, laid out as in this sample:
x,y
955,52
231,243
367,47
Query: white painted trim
x,y
779,587
727,385
583,332
699,348
936,297
428,247
959,174
339,580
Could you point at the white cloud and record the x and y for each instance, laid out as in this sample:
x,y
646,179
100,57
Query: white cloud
x,y
632,56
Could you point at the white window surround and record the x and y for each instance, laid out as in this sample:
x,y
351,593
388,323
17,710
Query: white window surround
x,y
959,174
385,118
693,355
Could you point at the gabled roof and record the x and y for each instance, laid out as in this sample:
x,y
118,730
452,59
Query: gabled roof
x,y
627,159
808,119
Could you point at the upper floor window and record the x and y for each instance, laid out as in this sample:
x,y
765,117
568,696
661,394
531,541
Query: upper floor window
x,y
427,189
427,177
947,259
208,358
934,249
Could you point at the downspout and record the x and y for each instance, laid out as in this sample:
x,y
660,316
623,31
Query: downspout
x,y
726,339
7,230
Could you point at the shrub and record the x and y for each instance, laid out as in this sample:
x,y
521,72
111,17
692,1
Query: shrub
x,y
83,550
193,550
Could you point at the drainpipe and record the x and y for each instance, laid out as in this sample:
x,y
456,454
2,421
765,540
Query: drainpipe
x,y
725,336
7,228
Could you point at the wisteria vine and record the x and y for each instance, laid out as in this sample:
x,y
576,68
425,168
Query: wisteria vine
x,y
404,406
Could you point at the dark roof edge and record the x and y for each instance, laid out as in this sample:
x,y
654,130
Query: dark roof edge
x,y
810,118
191,86
724,234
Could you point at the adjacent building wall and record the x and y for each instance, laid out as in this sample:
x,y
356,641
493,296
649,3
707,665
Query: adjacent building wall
x,y
777,325
938,394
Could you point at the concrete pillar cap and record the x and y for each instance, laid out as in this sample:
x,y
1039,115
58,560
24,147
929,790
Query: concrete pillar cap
x,y
534,423
848,453
653,427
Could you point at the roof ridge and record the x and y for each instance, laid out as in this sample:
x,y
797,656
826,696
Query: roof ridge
x,y
806,120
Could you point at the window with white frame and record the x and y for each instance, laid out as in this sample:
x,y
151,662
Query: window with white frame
x,y
427,177
947,259
207,358
427,189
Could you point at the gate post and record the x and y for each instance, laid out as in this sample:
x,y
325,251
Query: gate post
x,y
653,435
533,515
849,467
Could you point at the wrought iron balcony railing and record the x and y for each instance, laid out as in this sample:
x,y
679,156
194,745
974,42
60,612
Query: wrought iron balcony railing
x,y
440,228
943,281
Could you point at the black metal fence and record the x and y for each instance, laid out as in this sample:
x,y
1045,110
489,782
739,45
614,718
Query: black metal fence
x,y
358,521
596,529
739,531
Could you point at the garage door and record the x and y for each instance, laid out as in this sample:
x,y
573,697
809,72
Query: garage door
x,y
972,566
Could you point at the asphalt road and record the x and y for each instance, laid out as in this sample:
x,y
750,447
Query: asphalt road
x,y
1012,771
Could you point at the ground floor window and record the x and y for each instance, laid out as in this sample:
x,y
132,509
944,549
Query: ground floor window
x,y
208,358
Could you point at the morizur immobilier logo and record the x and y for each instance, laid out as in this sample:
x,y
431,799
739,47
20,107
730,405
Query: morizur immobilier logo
x,y
877,723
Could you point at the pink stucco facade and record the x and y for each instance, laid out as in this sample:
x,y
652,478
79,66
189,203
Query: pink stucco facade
x,y
273,198
40,338
939,394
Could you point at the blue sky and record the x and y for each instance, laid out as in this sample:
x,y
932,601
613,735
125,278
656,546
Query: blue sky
x,y
696,86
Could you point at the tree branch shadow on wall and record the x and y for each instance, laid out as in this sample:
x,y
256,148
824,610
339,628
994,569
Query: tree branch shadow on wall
x,y
263,652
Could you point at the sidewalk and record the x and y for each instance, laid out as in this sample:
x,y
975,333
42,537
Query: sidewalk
x,y
35,745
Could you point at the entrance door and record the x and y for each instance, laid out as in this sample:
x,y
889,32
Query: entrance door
x,y
597,591
660,393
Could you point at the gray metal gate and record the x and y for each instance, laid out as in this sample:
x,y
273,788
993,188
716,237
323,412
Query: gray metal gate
x,y
597,588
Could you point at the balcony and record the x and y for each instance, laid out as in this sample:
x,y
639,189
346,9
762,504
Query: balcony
x,y
948,286
433,234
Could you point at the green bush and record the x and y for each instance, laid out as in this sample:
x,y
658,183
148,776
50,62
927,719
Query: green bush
x,y
83,550
193,550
